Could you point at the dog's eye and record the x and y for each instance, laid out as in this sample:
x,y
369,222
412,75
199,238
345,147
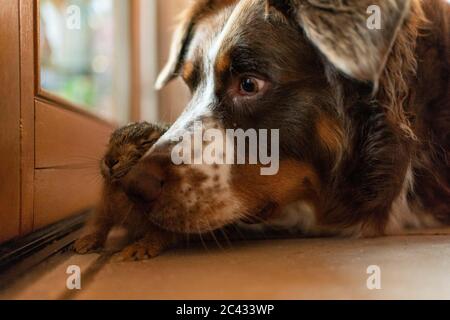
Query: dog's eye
x,y
250,86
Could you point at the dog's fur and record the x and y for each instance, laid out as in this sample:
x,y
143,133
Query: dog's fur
x,y
363,114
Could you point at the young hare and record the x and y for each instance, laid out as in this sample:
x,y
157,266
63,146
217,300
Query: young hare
x,y
126,147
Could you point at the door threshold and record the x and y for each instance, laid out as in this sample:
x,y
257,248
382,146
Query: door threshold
x,y
20,255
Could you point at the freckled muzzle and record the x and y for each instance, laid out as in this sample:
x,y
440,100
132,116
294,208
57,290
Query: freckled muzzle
x,y
144,183
186,198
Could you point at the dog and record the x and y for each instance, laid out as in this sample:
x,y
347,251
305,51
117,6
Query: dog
x,y
363,116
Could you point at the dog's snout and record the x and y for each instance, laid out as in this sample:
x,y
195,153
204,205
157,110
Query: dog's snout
x,y
145,181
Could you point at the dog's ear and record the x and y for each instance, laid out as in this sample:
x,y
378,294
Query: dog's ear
x,y
180,43
356,36
183,35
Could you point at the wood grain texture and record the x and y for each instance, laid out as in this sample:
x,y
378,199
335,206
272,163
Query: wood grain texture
x,y
174,97
27,84
65,138
412,266
9,120
62,193
135,72
68,148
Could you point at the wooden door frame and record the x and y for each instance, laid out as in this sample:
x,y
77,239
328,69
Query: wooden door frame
x,y
28,75
10,148
20,91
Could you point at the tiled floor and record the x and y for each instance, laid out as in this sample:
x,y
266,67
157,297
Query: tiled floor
x,y
414,266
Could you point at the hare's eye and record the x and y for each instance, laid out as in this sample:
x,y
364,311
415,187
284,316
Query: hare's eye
x,y
111,162
148,143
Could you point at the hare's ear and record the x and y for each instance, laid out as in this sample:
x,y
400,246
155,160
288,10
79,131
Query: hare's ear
x,y
183,35
356,36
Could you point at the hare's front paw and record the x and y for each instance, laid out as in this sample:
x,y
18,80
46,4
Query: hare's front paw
x,y
141,250
88,244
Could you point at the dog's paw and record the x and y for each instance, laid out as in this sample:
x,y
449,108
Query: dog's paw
x,y
140,250
88,244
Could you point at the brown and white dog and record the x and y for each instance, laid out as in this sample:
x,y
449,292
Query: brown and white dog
x,y
363,115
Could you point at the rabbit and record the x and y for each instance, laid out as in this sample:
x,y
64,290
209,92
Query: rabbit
x,y
126,147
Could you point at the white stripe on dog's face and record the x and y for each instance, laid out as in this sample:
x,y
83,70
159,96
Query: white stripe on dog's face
x,y
209,43
214,196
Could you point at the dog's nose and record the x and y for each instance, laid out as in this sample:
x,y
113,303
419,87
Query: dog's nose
x,y
144,183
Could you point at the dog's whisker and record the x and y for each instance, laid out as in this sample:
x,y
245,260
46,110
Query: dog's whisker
x,y
201,238
211,232
238,230
215,239
227,239
187,238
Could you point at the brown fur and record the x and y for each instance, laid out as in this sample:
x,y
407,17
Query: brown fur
x,y
359,111
274,192
126,147
401,68
188,72
189,19
331,135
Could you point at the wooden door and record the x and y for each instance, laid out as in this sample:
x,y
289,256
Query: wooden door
x,y
50,145
10,148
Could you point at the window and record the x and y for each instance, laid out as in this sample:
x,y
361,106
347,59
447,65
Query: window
x,y
84,54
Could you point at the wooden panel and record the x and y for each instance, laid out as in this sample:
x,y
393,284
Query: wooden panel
x,y
61,193
9,120
173,98
135,72
27,84
68,148
65,138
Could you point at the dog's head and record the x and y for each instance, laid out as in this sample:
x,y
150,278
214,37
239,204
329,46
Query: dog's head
x,y
297,66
